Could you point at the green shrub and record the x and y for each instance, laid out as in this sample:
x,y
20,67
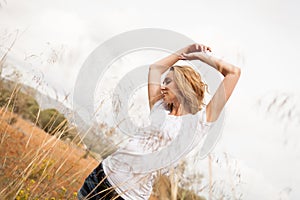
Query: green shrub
x,y
28,107
19,103
51,121
4,96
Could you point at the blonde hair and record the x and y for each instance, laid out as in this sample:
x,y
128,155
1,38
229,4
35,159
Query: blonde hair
x,y
191,87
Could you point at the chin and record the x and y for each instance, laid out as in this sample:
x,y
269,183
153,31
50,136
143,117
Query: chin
x,y
165,100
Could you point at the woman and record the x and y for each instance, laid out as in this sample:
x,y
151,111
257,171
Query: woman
x,y
180,95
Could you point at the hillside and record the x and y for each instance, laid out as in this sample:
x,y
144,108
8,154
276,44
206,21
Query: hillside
x,y
35,164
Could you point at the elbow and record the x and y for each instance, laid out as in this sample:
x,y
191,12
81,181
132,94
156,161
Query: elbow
x,y
237,71
233,71
152,67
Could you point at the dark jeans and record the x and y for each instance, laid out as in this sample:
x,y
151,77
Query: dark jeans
x,y
96,187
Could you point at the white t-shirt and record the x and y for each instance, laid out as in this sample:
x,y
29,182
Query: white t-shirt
x,y
132,169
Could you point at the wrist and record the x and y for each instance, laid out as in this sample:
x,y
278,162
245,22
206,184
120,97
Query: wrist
x,y
181,51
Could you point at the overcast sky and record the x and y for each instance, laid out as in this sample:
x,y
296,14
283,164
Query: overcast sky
x,y
262,37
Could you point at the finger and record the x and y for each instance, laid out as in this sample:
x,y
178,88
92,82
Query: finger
x,y
182,56
208,49
200,47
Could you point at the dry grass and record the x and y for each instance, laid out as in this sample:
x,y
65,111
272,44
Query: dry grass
x,y
35,165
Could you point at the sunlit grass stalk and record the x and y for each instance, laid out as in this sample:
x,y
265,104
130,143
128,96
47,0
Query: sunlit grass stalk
x,y
230,177
13,94
210,176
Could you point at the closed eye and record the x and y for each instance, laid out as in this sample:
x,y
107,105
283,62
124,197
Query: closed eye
x,y
167,81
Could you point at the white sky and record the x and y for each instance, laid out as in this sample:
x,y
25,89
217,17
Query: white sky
x,y
262,37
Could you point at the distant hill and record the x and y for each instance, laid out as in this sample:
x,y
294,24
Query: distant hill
x,y
93,135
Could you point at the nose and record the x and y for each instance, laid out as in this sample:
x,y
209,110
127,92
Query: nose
x,y
162,88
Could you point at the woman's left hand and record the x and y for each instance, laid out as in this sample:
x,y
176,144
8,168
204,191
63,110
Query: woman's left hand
x,y
191,56
193,51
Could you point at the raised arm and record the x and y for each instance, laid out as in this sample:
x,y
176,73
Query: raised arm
x,y
154,76
231,75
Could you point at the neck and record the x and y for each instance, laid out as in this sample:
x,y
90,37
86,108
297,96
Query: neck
x,y
178,109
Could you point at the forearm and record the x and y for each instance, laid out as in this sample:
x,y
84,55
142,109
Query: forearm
x,y
222,66
154,77
164,64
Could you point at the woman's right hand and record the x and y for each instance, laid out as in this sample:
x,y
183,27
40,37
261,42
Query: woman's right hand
x,y
194,48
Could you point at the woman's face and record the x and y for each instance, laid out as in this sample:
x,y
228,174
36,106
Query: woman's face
x,y
169,89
